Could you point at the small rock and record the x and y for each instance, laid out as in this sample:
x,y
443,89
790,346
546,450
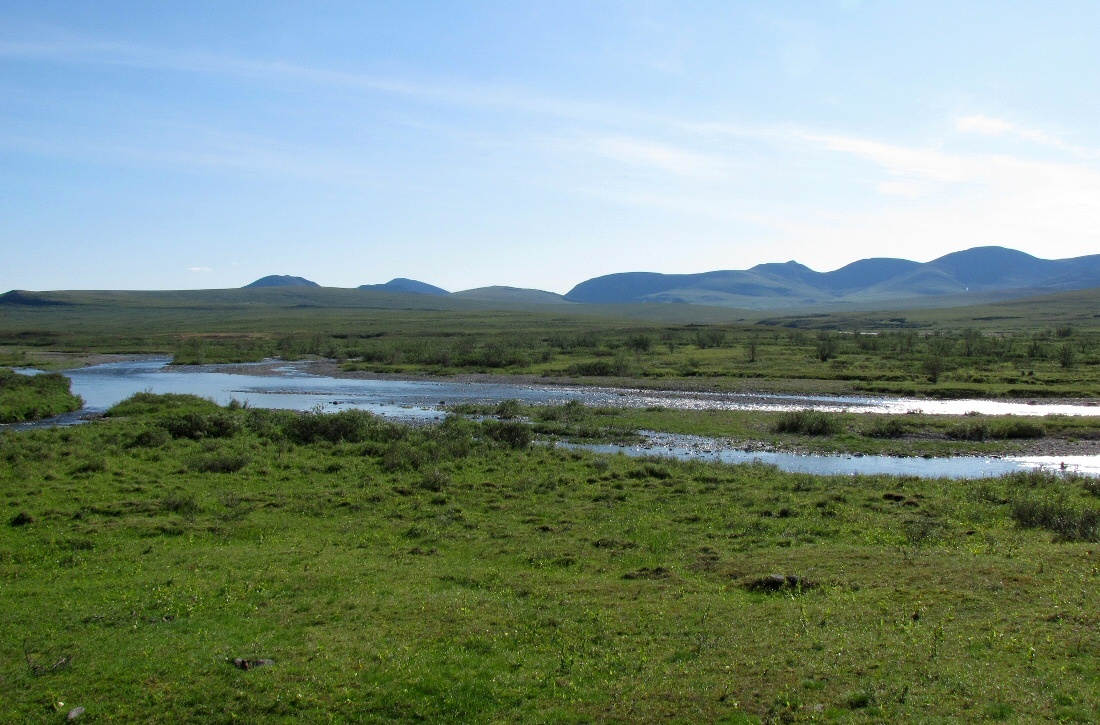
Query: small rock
x,y
778,583
75,713
244,664
657,572
22,519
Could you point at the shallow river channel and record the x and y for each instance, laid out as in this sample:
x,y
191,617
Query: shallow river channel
x,y
287,386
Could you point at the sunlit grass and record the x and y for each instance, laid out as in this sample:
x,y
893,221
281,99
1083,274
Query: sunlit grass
x,y
447,574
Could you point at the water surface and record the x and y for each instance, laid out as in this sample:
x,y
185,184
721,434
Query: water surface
x,y
102,386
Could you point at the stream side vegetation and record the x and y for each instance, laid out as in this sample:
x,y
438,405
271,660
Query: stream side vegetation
x,y
906,434
32,397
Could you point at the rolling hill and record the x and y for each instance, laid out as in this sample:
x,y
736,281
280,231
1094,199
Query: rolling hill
x,y
978,275
511,295
401,284
282,280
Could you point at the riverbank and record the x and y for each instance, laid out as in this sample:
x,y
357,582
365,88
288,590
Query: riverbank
x,y
34,397
56,361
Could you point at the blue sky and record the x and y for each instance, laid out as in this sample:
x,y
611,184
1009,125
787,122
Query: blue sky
x,y
535,144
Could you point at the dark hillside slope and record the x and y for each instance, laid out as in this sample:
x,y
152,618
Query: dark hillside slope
x,y
401,284
864,273
511,295
994,272
992,269
282,280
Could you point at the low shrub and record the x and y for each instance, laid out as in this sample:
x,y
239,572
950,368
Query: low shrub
x,y
186,506
1000,430
569,412
145,403
885,428
808,422
151,437
434,481
404,456
91,465
600,368
514,435
969,431
1016,429
31,397
217,463
1069,522
198,425
351,426
508,409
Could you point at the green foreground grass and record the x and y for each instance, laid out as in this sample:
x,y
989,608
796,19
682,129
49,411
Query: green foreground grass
x,y
31,397
459,573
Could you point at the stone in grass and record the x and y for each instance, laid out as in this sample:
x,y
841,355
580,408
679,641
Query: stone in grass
x,y
246,664
657,572
778,583
22,519
75,713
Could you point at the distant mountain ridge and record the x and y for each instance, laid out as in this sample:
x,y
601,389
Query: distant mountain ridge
x,y
401,284
511,294
995,270
971,276
281,280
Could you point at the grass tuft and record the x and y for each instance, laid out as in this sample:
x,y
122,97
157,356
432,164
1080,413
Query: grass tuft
x,y
808,422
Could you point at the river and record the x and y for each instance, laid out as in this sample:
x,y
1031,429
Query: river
x,y
289,387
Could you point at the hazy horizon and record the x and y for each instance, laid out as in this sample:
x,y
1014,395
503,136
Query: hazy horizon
x,y
535,145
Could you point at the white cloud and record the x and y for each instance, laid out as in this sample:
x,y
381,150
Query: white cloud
x,y
200,270
984,125
970,200
446,91
653,154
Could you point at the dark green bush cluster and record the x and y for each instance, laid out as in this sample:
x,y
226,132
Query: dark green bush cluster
x,y
454,438
1006,429
186,506
151,437
514,435
510,408
999,430
570,412
466,352
885,428
1069,522
808,422
617,366
217,463
197,425
351,426
152,403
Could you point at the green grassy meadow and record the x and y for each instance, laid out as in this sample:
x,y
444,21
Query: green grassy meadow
x,y
460,572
